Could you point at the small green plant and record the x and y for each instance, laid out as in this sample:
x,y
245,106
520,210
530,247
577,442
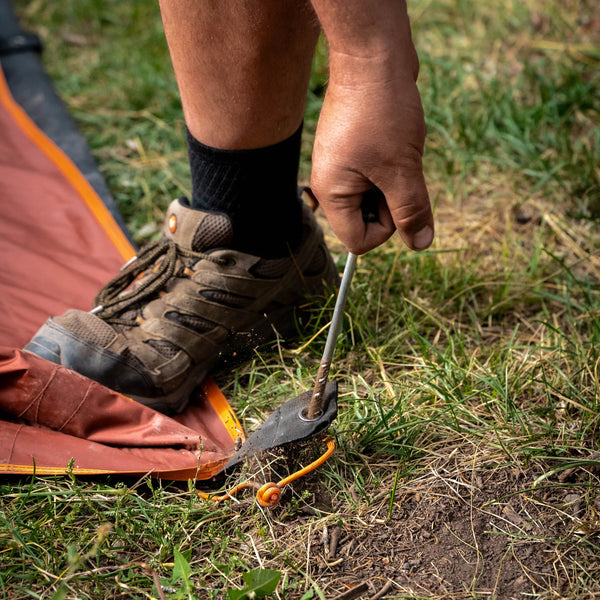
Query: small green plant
x,y
259,584
182,572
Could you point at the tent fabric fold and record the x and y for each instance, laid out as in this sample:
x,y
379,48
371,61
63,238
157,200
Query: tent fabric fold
x,y
58,245
57,419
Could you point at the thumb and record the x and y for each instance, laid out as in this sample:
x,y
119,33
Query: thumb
x,y
410,209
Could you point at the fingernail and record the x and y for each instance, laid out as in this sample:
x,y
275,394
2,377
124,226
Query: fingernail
x,y
423,238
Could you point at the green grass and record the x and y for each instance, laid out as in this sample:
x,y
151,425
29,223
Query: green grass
x,y
475,360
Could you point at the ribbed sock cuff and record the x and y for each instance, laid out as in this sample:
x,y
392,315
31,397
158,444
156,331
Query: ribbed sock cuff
x,y
256,189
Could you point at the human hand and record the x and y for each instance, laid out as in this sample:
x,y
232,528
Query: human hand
x,y
371,132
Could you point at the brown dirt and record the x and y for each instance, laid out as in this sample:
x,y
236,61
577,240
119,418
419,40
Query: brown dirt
x,y
452,533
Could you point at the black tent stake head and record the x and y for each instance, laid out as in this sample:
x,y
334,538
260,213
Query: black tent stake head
x,y
288,423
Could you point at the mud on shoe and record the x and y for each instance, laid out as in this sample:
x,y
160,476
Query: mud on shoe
x,y
184,304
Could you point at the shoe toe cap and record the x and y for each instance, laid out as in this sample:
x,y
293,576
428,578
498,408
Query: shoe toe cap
x,y
70,349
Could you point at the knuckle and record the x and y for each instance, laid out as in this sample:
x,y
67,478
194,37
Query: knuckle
x,y
412,218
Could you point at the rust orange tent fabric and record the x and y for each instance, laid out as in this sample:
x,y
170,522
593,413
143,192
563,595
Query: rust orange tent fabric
x,y
58,246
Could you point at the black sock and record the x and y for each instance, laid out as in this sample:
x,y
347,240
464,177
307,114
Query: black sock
x,y
256,189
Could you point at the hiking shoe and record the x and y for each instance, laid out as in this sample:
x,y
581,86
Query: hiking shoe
x,y
185,303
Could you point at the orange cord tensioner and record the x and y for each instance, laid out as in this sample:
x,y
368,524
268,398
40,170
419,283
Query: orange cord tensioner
x,y
269,494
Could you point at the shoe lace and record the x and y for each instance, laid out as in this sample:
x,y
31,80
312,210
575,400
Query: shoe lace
x,y
162,256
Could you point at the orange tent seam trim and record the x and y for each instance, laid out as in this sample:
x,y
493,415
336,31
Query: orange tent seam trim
x,y
220,405
208,470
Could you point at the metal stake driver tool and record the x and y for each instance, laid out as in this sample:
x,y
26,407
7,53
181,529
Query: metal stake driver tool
x,y
369,207
316,403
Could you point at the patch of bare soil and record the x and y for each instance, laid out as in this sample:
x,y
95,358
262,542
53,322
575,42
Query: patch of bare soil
x,y
487,533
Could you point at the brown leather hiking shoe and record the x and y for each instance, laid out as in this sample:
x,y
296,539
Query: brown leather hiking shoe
x,y
184,304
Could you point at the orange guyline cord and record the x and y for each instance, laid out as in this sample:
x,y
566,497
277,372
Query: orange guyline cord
x,y
270,493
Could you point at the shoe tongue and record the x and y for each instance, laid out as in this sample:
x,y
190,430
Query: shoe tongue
x,y
197,230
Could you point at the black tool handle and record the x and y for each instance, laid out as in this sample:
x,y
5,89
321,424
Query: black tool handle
x,y
370,205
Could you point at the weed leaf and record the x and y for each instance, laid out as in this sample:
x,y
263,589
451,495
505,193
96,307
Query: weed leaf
x,y
262,581
182,570
259,583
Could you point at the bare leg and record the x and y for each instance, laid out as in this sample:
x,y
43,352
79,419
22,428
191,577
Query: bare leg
x,y
242,67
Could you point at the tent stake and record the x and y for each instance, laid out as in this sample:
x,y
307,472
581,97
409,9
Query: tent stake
x,y
316,403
